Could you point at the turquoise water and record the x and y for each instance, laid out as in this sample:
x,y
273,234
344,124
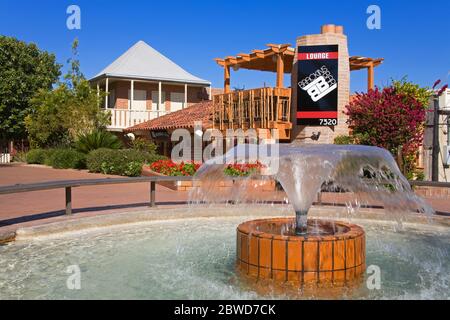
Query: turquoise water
x,y
194,259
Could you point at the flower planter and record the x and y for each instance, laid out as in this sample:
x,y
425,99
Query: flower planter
x,y
147,172
255,184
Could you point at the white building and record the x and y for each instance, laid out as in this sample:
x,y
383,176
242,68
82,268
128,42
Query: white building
x,y
143,84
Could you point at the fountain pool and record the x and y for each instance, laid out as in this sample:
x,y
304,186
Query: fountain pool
x,y
195,258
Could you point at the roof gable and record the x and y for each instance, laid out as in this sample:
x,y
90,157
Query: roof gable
x,y
141,61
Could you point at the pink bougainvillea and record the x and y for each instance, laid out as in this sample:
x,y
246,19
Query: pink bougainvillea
x,y
388,119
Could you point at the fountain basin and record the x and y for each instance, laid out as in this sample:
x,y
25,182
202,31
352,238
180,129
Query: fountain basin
x,y
330,252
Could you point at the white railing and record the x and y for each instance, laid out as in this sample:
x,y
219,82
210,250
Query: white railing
x,y
124,118
5,158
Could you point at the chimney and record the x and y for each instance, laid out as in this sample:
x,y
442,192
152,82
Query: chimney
x,y
331,28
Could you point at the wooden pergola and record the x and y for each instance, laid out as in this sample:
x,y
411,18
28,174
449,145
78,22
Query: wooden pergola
x,y
279,58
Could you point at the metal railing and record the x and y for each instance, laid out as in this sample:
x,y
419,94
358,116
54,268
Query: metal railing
x,y
69,184
432,184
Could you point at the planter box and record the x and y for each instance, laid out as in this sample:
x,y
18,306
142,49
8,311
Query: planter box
x,y
433,192
147,172
258,185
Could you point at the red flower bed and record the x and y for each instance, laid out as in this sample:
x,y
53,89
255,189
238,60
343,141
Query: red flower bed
x,y
243,170
170,168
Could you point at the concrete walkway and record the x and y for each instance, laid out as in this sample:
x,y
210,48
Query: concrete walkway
x,y
34,208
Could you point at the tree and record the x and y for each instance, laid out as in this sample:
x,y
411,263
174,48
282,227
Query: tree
x,y
391,119
72,109
24,69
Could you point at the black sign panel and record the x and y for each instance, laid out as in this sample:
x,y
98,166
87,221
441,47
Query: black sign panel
x,y
317,87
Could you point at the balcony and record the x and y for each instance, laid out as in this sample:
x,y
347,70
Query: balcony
x,y
264,108
125,118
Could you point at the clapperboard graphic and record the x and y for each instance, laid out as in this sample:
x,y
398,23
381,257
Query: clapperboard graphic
x,y
317,89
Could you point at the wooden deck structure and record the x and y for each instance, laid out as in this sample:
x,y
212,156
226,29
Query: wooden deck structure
x,y
266,108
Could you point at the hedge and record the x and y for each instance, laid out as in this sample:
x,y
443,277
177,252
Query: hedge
x,y
125,162
67,159
36,156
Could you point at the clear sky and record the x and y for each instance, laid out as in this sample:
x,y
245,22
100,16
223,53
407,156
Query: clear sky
x,y
414,37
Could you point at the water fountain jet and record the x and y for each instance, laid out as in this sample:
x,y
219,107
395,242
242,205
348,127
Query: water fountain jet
x,y
306,250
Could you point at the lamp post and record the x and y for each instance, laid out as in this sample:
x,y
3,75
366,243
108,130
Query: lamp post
x,y
436,146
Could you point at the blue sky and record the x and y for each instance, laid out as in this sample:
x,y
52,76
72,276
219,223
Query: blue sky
x,y
414,39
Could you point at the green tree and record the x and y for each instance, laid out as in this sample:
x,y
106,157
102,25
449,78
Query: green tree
x,y
71,110
410,89
24,69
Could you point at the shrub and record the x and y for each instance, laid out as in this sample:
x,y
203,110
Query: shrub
x,y
36,156
50,152
420,175
20,156
127,162
390,119
343,140
97,139
67,159
142,144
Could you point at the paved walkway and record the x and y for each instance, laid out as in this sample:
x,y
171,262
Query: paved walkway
x,y
26,209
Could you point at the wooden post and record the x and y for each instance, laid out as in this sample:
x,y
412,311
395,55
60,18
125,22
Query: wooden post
x,y
68,200
370,77
131,94
159,97
226,83
280,70
107,93
152,194
185,96
98,95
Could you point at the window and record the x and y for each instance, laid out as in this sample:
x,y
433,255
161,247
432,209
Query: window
x,y
155,101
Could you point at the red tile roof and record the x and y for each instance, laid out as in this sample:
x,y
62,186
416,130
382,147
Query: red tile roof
x,y
184,118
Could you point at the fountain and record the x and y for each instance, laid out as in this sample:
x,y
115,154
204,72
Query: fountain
x,y
299,249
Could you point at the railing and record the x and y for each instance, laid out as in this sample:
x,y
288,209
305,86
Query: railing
x,y
125,118
5,156
69,184
433,184
264,108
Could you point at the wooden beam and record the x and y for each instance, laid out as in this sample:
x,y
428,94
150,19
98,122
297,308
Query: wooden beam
x,y
226,79
107,93
185,96
131,94
159,97
280,71
370,78
220,62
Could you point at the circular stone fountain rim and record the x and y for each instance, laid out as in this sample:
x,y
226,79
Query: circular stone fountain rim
x,y
126,218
